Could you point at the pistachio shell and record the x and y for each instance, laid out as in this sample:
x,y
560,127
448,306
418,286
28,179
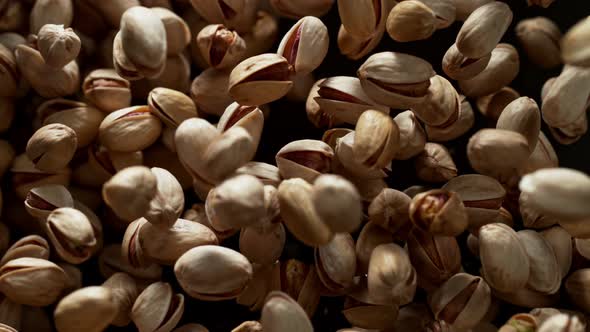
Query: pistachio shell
x,y
90,308
282,313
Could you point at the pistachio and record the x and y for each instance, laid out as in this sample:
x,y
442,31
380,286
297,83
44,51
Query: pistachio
x,y
300,8
71,233
562,322
260,79
337,203
267,173
376,139
370,237
462,301
209,91
120,130
444,11
306,159
441,104
32,246
124,292
369,315
496,242
492,105
483,29
263,246
213,273
389,210
57,45
521,322
265,279
544,156
90,308
439,212
571,133
410,21
522,116
220,46
573,51
396,80
545,275
391,277
411,134
561,243
111,261
282,313
130,192
352,166
305,45
335,262
157,308
510,151
107,90
435,164
131,248
52,147
250,118
354,47
103,164
361,19
460,67
32,281
178,34
26,177
168,203
540,35
464,122
567,97
50,12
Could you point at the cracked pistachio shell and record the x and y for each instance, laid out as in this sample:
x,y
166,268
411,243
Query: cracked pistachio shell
x,y
192,138
355,48
435,164
267,173
370,237
509,149
439,212
143,38
337,202
391,277
33,246
496,243
459,67
561,243
562,323
462,124
441,103
250,118
540,37
305,45
178,34
522,116
347,159
545,273
503,67
82,118
157,308
213,273
492,105
376,139
26,177
165,246
47,81
52,147
335,262
130,129
91,309
435,258
306,159
389,209
543,156
263,246
559,192
107,90
300,8
573,49
396,80
566,98
9,74
483,29
111,261
32,281
260,79
125,68
124,290
342,98
282,313
577,286
236,203
462,301
571,133
131,247
58,45
521,322
221,47
71,234
50,12
168,203
130,191
412,135
361,18
299,213
410,21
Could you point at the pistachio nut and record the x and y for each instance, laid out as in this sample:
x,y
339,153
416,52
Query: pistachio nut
x,y
573,51
168,203
178,34
561,243
342,99
522,116
521,322
282,313
103,164
124,291
305,159
545,274
483,29
576,285
111,261
439,212
32,281
361,18
300,8
157,308
391,277
369,315
376,139
540,37
213,273
131,247
462,124
562,323
411,134
220,46
33,246
260,79
250,118
410,21
444,11
352,166
436,258
265,279
58,45
267,173
47,81
337,203
500,71
335,262
318,117
52,147
571,133
497,242
107,90
354,47
130,191
435,164
389,210
441,104
566,99
50,12
95,223
543,156
510,151
26,177
263,246
71,233
462,301
129,129
531,216
305,45
492,105
396,80
548,189
10,74
369,238
90,308
460,67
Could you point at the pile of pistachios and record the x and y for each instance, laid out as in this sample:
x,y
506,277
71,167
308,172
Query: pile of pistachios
x,y
134,191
